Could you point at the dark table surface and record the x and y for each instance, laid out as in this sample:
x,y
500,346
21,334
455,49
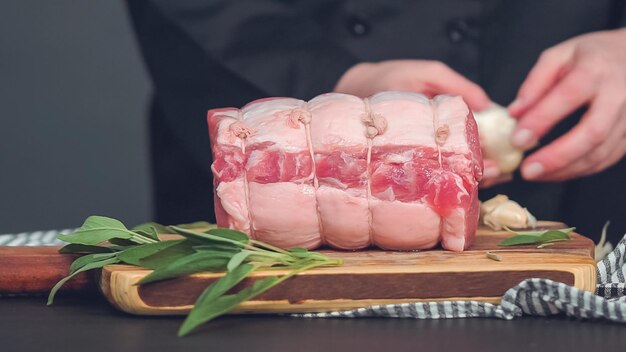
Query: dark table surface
x,y
88,323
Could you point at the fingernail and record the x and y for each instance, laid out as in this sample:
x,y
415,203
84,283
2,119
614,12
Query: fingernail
x,y
523,138
532,170
491,172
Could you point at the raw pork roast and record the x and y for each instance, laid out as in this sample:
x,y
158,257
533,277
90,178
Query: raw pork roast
x,y
396,170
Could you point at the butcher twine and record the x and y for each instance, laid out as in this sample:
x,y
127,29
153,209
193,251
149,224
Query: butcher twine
x,y
539,297
375,124
303,116
242,131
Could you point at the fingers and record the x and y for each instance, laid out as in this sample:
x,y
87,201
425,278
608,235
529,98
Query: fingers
x,y
601,127
492,175
490,182
571,92
541,78
427,77
443,79
598,160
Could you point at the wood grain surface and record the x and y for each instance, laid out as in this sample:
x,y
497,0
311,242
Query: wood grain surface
x,y
34,270
374,277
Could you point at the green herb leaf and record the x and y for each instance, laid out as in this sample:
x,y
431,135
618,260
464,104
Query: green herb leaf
x,y
213,303
537,237
87,266
299,252
97,229
197,225
191,264
237,259
134,254
208,238
228,247
159,229
212,250
122,242
168,255
147,230
89,258
230,234
84,249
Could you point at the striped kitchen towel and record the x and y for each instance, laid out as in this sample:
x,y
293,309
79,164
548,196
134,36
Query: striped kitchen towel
x,y
37,238
531,297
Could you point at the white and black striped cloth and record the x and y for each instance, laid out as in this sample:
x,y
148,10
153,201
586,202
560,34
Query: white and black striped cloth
x,y
37,238
531,297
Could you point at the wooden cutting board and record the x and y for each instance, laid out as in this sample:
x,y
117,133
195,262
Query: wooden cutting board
x,y
374,277
35,270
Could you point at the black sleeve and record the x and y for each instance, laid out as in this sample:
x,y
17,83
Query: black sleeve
x,y
279,47
206,54
618,14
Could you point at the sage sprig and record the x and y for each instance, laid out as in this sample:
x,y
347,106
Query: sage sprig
x,y
203,248
536,237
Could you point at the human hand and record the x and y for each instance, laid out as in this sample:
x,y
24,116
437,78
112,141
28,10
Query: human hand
x,y
586,70
492,175
422,76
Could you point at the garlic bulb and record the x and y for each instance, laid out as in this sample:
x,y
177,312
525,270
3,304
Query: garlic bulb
x,y
495,126
500,211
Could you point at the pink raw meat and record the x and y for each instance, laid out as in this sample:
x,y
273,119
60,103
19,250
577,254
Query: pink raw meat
x,y
396,170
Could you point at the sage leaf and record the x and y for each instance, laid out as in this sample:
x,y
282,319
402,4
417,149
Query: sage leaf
x,y
537,237
122,242
133,255
167,255
209,238
299,252
213,303
97,229
227,247
89,258
230,234
197,225
191,264
88,266
158,228
147,230
84,249
204,248
237,259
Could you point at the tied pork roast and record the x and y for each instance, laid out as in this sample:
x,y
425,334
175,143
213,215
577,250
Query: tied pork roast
x,y
396,170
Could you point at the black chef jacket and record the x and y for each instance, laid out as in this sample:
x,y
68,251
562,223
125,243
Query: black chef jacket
x,y
206,54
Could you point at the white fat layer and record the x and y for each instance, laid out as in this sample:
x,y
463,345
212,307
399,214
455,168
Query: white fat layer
x,y
409,119
270,121
233,200
452,111
401,226
336,122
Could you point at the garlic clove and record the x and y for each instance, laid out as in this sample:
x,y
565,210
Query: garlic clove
x,y
495,127
489,205
509,214
531,220
500,212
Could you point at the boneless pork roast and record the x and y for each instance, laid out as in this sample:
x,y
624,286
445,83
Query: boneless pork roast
x,y
396,170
